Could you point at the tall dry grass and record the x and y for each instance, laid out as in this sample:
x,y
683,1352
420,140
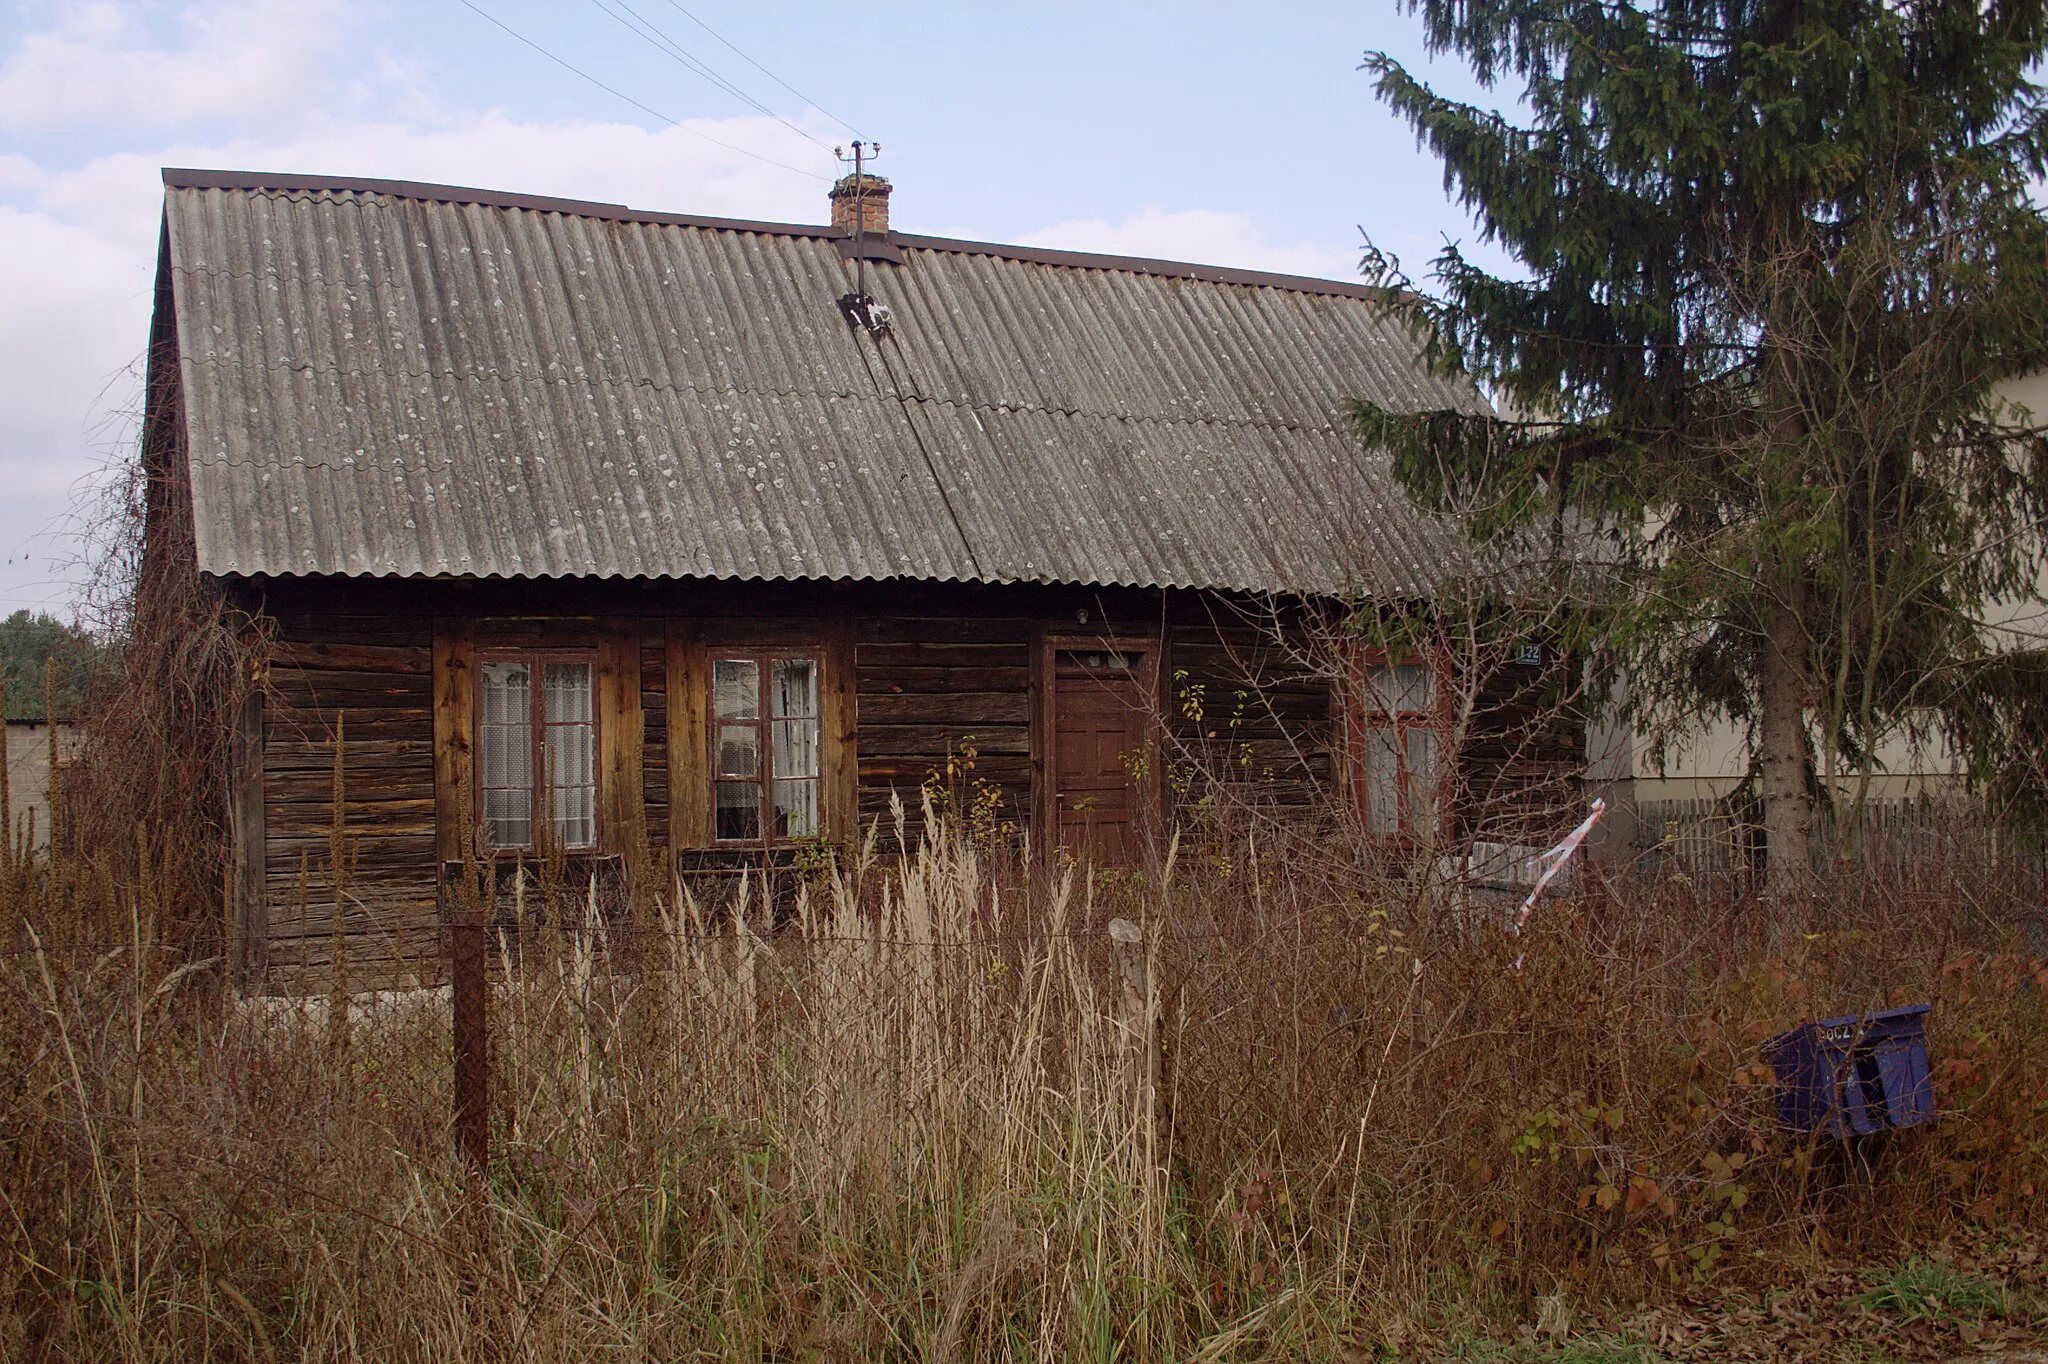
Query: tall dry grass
x,y
935,1108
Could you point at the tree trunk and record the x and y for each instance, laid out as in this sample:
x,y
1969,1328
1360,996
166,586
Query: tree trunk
x,y
1788,802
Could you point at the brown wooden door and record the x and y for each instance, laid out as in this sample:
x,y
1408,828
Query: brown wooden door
x,y
1098,726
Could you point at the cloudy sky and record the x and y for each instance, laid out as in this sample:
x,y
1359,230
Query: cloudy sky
x,y
1226,132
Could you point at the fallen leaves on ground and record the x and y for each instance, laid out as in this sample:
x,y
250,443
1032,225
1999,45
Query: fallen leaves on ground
x,y
1832,1317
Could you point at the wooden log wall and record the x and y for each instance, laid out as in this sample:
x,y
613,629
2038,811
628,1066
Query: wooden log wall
x,y
1248,704
367,680
931,683
1519,775
947,700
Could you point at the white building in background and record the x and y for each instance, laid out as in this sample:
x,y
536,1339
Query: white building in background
x,y
1648,788
28,774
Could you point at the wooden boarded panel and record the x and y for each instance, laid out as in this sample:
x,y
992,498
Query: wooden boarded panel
x,y
932,689
689,781
377,672
1246,708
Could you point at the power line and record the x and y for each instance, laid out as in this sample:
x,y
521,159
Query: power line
x,y
646,29
808,101
620,94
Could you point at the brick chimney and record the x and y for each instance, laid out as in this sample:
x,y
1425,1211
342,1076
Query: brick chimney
x,y
871,193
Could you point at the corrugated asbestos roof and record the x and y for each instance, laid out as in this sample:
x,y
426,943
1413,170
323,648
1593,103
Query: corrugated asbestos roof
x,y
393,379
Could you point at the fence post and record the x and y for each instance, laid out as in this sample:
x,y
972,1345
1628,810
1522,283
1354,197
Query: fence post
x,y
468,937
1138,1021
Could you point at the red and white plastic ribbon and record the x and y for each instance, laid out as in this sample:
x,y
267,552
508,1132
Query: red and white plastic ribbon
x,y
1553,861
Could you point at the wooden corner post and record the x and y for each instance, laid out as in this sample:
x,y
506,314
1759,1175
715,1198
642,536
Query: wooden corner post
x,y
622,740
462,897
689,738
454,740
839,712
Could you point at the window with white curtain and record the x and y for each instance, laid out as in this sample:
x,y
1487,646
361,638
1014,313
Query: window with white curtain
x,y
765,771
537,751
1398,717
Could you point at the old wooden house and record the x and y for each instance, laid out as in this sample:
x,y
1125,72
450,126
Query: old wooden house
x,y
678,542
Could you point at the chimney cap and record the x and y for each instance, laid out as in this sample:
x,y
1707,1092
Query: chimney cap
x,y
869,184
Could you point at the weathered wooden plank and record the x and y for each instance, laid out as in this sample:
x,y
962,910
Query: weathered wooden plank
x,y
893,681
366,815
553,632
946,708
304,724
370,794
879,660
762,632
352,682
407,920
689,784
389,845
386,818
839,719
1253,729
333,656
621,737
454,735
364,755
870,631
1002,769
410,631
935,741
326,698
1012,807
1197,662
406,863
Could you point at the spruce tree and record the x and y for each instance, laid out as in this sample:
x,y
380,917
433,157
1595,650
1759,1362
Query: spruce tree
x,y
1779,257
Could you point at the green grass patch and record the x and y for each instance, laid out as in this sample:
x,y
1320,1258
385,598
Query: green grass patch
x,y
1932,1290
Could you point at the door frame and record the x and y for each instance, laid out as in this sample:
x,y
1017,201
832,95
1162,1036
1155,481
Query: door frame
x,y
1046,645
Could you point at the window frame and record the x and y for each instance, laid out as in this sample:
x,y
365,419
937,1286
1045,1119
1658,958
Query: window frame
x,y
1365,716
764,657
538,660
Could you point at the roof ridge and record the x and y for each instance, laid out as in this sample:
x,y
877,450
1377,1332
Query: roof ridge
x,y
286,182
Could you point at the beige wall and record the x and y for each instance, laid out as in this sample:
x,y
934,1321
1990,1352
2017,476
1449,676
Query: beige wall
x,y
1713,760
28,772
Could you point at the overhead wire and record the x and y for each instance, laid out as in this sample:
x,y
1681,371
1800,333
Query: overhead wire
x,y
643,108
808,101
646,29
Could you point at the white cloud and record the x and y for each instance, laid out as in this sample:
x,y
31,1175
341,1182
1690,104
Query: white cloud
x,y
1203,235
102,63
74,315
